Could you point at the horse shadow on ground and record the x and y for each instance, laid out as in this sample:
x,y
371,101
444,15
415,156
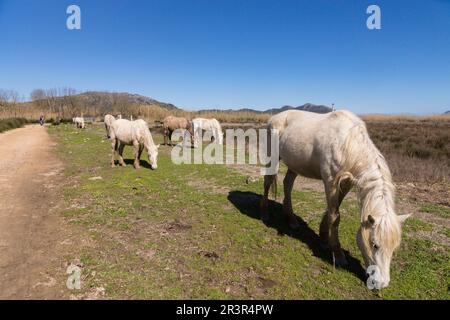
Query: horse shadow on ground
x,y
248,203
143,163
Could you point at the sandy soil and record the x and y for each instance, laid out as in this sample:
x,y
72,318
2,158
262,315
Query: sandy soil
x,y
31,264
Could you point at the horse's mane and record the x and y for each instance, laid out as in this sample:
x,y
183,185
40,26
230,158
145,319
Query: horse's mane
x,y
364,165
145,133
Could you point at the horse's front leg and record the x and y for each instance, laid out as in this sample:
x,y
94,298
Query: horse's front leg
x,y
288,184
324,231
334,218
121,161
334,199
114,150
141,149
137,155
170,137
166,133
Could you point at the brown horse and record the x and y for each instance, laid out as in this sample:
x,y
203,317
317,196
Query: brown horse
x,y
171,123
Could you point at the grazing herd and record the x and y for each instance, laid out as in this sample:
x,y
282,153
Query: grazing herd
x,y
333,147
136,133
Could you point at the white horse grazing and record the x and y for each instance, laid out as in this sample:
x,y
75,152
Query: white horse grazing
x,y
79,122
337,149
202,124
109,120
133,133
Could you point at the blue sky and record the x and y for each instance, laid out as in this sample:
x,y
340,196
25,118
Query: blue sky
x,y
235,53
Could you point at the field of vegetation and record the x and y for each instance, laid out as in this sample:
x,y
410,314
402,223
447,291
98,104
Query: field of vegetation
x,y
12,123
193,231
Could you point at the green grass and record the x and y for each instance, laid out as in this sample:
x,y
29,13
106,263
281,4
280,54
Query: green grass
x,y
436,209
193,231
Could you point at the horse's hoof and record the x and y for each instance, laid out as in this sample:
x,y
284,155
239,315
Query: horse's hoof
x,y
113,166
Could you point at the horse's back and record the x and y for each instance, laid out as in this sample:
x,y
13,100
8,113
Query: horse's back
x,y
141,127
122,129
173,123
310,141
299,121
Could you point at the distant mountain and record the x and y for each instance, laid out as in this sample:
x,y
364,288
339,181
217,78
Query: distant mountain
x,y
306,107
99,100
95,98
230,110
447,112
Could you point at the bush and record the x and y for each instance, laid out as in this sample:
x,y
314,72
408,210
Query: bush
x,y
12,123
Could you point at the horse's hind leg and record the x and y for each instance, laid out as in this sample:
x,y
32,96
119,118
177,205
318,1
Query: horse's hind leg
x,y
268,180
288,184
334,199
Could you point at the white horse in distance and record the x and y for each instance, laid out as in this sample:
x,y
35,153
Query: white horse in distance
x,y
337,149
133,133
109,120
79,122
210,125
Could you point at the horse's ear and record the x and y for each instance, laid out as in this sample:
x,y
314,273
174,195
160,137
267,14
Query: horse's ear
x,y
402,217
371,220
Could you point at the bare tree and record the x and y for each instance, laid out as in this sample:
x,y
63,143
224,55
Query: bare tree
x,y
9,100
69,101
37,95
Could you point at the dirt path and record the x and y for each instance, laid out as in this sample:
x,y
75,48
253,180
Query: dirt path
x,y
30,249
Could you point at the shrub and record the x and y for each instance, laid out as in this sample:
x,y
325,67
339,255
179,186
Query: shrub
x,y
12,123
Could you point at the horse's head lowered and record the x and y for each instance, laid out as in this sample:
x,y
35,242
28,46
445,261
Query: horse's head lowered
x,y
153,157
377,238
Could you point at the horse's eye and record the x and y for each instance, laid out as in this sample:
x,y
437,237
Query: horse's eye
x,y
375,246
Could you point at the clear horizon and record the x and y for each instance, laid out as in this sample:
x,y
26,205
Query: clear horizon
x,y
233,54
